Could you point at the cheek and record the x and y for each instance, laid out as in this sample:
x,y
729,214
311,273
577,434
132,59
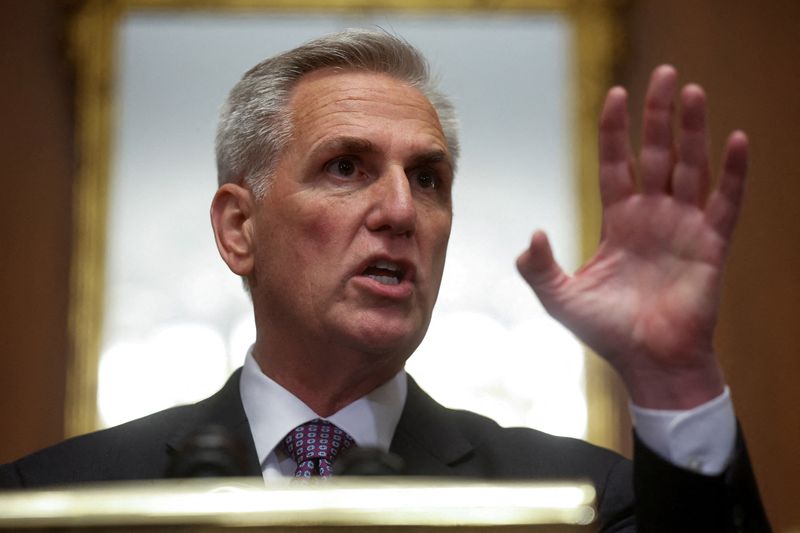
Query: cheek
x,y
435,246
322,231
441,233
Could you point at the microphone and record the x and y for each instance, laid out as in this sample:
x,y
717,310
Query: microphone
x,y
211,451
360,461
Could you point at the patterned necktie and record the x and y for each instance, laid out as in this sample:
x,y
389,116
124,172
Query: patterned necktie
x,y
315,446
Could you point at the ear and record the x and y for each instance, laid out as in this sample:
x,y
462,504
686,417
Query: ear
x,y
232,211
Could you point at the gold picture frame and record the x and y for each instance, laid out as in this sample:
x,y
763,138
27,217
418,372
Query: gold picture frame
x,y
597,45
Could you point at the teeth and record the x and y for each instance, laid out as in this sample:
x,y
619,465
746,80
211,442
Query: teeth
x,y
384,272
386,280
386,265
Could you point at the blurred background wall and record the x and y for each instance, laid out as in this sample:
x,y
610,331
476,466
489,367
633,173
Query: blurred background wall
x,y
36,169
746,55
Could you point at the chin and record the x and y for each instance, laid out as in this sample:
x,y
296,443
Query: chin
x,y
395,342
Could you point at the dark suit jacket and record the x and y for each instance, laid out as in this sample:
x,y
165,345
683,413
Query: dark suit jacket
x,y
433,441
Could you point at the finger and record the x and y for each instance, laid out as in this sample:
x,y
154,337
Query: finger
x,y
657,153
616,177
540,270
691,175
724,204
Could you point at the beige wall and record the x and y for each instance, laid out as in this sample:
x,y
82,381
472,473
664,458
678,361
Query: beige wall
x,y
745,53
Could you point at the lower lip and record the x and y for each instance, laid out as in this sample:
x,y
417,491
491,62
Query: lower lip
x,y
401,291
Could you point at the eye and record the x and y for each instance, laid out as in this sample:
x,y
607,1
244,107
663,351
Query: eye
x,y
427,179
343,167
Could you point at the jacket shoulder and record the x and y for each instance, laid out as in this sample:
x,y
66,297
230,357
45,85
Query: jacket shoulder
x,y
522,452
140,449
528,454
130,451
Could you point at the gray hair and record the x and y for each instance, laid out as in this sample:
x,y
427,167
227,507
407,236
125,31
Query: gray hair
x,y
256,125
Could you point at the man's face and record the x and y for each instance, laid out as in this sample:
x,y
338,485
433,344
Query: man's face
x,y
351,236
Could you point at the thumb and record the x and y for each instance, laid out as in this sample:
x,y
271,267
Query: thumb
x,y
538,267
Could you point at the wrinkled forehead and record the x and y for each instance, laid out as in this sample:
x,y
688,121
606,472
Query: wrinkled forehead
x,y
328,99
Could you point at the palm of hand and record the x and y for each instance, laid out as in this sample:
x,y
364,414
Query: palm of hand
x,y
651,289
647,301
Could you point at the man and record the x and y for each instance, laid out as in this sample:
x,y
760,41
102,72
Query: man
x,y
336,163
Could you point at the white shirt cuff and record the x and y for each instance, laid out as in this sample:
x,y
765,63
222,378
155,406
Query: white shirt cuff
x,y
701,439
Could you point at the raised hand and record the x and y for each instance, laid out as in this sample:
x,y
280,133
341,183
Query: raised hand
x,y
648,299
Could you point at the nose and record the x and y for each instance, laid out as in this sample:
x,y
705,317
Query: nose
x,y
393,209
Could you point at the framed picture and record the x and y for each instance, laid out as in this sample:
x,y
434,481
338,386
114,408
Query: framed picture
x,y
156,317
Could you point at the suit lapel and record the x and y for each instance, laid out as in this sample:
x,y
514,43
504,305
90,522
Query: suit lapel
x,y
222,409
426,437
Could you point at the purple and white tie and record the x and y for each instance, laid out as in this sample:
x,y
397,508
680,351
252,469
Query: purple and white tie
x,y
315,446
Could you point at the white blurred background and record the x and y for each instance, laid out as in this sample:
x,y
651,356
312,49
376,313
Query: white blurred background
x,y
178,322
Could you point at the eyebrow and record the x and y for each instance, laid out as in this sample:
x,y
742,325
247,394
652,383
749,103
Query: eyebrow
x,y
358,145
431,157
353,145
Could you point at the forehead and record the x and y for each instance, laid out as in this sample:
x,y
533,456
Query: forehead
x,y
328,102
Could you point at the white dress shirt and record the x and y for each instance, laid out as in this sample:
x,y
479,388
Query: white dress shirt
x,y
699,439
273,412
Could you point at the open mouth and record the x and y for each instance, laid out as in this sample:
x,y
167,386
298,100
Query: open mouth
x,y
385,272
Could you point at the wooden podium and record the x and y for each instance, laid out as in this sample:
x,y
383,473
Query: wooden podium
x,y
344,504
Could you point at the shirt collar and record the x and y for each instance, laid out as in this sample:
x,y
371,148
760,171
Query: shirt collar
x,y
272,411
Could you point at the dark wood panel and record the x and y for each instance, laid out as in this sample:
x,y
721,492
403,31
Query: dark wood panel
x,y
37,159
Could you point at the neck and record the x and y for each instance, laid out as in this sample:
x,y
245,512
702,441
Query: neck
x,y
325,380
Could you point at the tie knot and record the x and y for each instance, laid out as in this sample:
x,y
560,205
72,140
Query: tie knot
x,y
314,446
